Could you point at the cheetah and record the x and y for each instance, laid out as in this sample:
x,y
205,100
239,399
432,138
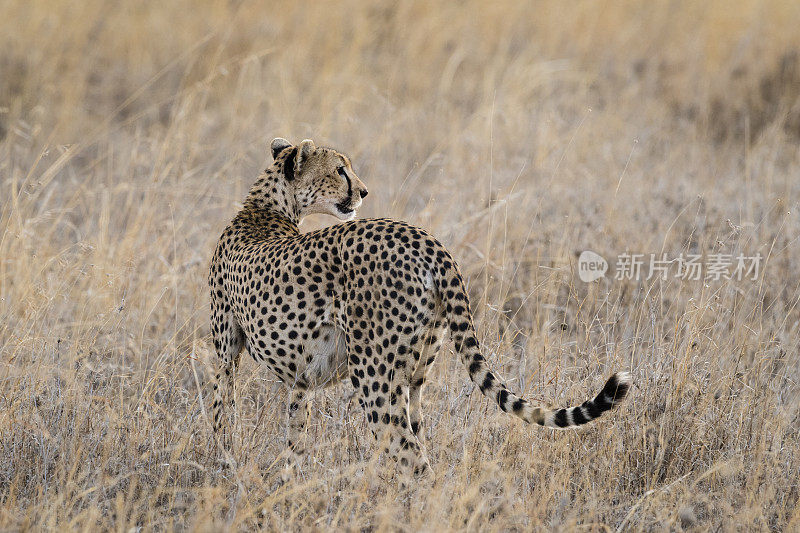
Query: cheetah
x,y
372,300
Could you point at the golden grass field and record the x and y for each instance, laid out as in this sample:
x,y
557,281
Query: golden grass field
x,y
520,134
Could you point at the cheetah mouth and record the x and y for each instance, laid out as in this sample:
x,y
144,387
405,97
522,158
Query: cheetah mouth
x,y
344,207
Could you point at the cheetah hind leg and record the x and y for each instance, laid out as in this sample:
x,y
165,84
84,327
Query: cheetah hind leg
x,y
392,428
228,343
223,411
298,408
406,448
429,348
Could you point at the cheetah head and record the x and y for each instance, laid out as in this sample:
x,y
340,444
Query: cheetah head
x,y
321,179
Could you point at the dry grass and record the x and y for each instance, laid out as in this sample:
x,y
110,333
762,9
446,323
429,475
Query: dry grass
x,y
519,135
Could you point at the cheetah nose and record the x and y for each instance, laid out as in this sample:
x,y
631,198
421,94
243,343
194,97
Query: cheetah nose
x,y
364,193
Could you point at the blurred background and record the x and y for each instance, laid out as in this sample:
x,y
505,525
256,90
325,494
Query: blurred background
x,y
518,133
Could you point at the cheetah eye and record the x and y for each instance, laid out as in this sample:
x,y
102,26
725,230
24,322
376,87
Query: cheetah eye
x,y
342,172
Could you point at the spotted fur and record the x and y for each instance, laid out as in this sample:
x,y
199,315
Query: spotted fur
x,y
371,300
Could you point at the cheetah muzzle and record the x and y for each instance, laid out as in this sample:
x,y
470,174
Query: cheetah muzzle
x,y
372,300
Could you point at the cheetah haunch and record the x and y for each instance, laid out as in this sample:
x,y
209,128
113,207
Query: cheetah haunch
x,y
368,299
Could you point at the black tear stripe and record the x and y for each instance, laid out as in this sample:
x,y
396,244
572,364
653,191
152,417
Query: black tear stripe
x,y
288,164
343,172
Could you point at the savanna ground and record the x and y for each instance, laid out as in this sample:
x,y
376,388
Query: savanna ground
x,y
519,134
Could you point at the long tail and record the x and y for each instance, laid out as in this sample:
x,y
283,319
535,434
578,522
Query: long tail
x,y
462,331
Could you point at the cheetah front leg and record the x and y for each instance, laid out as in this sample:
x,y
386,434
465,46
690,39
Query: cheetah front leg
x,y
299,409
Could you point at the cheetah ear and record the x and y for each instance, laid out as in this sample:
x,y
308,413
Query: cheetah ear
x,y
303,151
278,145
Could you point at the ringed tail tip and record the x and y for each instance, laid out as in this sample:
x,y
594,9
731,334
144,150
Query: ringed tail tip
x,y
612,394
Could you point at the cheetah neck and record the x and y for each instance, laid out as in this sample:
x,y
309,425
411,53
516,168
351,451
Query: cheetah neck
x,y
261,224
271,195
